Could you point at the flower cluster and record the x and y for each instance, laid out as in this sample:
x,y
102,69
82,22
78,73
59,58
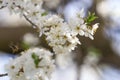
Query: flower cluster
x,y
36,64
60,35
33,64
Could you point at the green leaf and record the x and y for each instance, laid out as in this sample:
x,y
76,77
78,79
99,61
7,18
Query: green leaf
x,y
36,59
94,51
25,46
91,17
44,13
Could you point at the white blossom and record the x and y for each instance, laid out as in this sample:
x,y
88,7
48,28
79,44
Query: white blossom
x,y
52,4
60,35
30,39
24,67
64,61
35,63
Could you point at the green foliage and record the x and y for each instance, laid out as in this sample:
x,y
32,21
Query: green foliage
x,y
25,46
91,17
94,51
36,59
44,14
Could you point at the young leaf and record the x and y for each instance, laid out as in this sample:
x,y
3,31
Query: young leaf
x,y
44,13
91,17
25,46
36,59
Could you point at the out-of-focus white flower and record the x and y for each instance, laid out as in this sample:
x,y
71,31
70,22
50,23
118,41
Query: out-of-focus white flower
x,y
74,6
69,73
33,64
30,39
89,73
109,72
113,33
52,4
90,70
17,21
110,9
64,60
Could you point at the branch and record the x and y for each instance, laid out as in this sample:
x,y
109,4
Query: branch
x,y
2,7
26,16
2,75
30,21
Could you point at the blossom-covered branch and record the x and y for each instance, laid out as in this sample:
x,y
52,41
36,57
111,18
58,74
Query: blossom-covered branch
x,y
36,63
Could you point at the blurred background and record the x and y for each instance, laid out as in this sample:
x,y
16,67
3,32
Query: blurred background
x,y
97,59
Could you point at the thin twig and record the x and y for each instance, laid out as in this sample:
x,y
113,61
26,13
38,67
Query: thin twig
x,y
26,17
30,21
2,7
2,75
